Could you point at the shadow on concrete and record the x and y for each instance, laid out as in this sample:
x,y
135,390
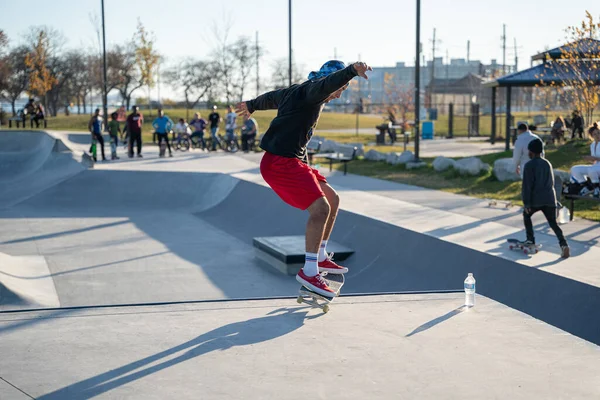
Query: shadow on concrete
x,y
436,321
64,233
55,274
276,324
6,326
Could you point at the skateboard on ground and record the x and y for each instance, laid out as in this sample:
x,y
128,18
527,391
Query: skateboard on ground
x,y
515,244
334,281
506,204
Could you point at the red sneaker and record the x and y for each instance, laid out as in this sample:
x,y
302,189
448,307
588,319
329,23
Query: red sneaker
x,y
330,267
315,283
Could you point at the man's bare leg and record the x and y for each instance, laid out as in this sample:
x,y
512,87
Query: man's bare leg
x,y
334,202
319,214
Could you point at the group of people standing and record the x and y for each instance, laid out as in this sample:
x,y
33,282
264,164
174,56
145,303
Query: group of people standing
x,y
133,130
163,125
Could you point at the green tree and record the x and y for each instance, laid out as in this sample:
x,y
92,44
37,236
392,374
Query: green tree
x,y
41,79
580,57
146,56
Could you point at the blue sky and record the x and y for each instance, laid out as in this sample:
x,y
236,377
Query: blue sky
x,y
381,31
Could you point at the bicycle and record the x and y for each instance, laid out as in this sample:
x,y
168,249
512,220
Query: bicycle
x,y
228,145
182,142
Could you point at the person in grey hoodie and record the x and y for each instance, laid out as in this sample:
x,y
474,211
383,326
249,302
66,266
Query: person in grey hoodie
x,y
539,195
520,152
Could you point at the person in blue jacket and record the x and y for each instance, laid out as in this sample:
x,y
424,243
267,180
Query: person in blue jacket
x,y
162,126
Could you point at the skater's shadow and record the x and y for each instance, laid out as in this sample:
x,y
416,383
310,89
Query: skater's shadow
x,y
438,320
249,332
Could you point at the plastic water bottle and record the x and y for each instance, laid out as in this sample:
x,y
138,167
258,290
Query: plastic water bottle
x,y
470,290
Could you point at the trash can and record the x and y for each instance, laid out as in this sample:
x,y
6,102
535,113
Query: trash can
x,y
427,130
380,137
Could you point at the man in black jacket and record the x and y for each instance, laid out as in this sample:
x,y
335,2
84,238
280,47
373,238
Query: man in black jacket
x,y
285,168
539,195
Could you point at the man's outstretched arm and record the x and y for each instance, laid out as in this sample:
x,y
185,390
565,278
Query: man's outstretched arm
x,y
267,101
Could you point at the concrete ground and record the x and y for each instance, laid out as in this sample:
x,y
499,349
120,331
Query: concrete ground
x,y
377,347
180,229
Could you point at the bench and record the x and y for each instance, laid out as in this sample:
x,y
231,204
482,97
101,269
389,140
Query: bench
x,y
18,119
21,119
572,198
345,156
312,148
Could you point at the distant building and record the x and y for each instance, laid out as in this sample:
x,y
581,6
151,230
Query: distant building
x,y
404,76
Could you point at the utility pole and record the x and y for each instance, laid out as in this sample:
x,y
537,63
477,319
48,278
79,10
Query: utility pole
x,y
104,93
335,53
257,74
358,105
158,80
468,51
290,41
432,77
417,80
503,49
516,57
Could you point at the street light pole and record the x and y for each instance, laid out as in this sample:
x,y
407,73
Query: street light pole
x,y
290,41
104,94
417,80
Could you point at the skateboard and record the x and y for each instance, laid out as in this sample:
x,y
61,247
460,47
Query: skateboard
x,y
93,148
334,281
506,204
113,148
163,148
515,244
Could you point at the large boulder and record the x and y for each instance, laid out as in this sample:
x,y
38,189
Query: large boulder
x,y
330,146
471,166
562,176
415,165
406,157
504,170
399,158
374,155
443,163
360,148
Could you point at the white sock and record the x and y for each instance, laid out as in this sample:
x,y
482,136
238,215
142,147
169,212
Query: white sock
x,y
310,264
323,251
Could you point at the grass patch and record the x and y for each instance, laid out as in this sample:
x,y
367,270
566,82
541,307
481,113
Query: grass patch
x,y
483,186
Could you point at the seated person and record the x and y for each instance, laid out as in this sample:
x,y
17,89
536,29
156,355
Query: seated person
x,y
198,125
249,131
181,128
581,173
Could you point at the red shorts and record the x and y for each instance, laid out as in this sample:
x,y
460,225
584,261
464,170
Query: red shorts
x,y
295,182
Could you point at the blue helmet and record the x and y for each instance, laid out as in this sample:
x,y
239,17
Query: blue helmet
x,y
329,67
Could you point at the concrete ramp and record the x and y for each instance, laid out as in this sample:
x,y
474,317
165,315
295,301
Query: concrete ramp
x,y
26,282
31,162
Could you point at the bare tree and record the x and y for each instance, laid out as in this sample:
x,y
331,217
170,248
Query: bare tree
x,y
17,78
280,73
244,54
195,78
224,58
125,72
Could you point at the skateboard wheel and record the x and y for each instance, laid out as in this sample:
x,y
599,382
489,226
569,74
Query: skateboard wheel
x,y
325,308
299,299
511,247
525,251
